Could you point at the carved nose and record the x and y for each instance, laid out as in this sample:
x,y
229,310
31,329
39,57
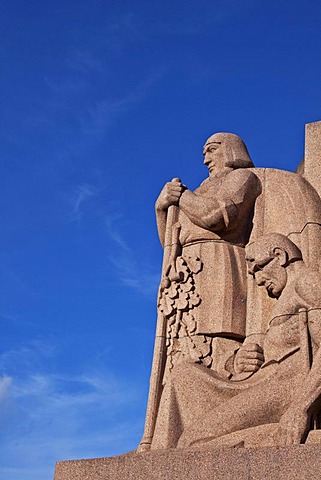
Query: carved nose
x,y
259,278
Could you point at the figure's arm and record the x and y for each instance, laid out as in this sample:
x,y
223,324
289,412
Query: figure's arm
x,y
249,358
295,422
220,207
203,211
169,195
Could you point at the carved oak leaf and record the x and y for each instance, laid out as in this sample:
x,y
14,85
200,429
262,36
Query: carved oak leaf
x,y
172,291
189,322
187,286
166,305
181,269
182,302
194,299
194,263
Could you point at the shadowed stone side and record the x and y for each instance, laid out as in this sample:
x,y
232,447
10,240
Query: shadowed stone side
x,y
296,463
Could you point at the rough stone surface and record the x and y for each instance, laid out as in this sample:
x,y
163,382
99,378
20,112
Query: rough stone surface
x,y
237,358
199,407
288,205
229,355
312,157
202,296
300,462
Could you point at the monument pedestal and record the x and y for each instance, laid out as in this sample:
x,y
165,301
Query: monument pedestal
x,y
298,462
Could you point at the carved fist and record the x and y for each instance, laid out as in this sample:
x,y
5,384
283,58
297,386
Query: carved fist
x,y
249,358
170,194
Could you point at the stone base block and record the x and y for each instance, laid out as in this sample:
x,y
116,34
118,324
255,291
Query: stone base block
x,y
299,462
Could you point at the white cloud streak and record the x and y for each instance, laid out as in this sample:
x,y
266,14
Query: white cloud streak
x,y
5,383
131,271
83,61
47,417
81,194
103,113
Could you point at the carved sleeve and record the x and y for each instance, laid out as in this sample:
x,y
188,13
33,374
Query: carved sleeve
x,y
202,211
216,210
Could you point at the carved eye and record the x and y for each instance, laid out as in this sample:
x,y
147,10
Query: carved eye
x,y
261,265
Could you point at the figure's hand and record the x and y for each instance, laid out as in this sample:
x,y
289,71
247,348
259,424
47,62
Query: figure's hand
x,y
293,427
249,358
170,194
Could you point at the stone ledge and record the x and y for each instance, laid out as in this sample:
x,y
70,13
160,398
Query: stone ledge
x,y
299,462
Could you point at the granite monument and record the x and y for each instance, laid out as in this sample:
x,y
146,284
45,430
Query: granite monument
x,y
235,385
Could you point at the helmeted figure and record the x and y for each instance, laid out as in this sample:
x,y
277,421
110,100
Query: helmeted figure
x,y
207,303
205,295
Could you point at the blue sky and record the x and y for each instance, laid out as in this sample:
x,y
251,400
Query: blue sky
x,y
102,102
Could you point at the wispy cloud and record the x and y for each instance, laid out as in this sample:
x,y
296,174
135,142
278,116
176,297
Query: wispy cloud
x,y
56,417
29,356
5,383
47,417
81,194
131,271
113,224
133,275
103,113
83,61
122,30
62,88
14,319
198,23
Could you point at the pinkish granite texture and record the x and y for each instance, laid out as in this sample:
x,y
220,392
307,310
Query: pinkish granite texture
x,y
275,381
236,368
302,462
312,156
209,305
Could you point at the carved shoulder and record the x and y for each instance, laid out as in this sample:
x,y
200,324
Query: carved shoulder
x,y
242,185
308,288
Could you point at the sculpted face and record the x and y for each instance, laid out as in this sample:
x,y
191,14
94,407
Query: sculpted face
x,y
215,157
223,152
268,271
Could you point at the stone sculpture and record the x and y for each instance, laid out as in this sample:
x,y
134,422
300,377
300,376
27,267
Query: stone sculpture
x,y
200,406
212,317
237,349
201,312
204,289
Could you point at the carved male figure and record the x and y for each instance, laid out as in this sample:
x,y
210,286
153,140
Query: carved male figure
x,y
198,406
202,301
207,296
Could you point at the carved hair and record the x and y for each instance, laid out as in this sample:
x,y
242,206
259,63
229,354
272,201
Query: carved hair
x,y
268,245
237,155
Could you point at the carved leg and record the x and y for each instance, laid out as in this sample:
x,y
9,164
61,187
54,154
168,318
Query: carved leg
x,y
260,404
189,390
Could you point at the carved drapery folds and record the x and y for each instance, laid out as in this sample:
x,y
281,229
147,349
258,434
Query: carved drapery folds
x,y
210,307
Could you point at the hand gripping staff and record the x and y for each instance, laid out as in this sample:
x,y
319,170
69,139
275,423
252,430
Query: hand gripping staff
x,y
171,249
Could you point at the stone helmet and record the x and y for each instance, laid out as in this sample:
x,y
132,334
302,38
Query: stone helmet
x,y
235,150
